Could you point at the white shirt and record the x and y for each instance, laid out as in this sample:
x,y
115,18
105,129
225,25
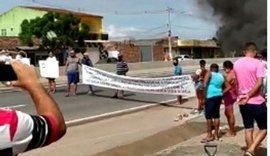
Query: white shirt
x,y
5,58
51,58
18,57
265,67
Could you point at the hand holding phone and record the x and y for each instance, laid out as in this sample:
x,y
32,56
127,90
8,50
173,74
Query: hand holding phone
x,y
26,76
7,73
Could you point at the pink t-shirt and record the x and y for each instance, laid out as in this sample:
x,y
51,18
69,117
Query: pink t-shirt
x,y
247,70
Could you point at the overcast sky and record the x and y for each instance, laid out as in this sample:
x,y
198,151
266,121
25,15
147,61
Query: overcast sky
x,y
138,18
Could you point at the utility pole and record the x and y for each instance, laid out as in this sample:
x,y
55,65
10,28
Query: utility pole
x,y
169,10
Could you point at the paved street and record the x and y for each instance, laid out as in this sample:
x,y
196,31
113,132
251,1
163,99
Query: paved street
x,y
82,105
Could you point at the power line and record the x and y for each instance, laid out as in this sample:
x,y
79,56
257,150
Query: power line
x,y
169,11
153,29
188,27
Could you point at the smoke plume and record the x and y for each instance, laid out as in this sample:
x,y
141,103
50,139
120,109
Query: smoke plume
x,y
241,21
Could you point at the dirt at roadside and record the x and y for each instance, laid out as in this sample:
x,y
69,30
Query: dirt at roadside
x,y
159,141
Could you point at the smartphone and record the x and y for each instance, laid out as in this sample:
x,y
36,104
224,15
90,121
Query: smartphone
x,y
7,73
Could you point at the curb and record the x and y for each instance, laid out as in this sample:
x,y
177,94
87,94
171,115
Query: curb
x,y
85,120
11,89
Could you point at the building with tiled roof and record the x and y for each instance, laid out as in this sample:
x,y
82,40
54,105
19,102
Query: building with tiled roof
x,y
11,20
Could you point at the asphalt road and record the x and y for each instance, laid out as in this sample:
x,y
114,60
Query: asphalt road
x,y
83,105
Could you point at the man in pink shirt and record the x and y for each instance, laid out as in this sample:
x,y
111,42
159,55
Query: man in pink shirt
x,y
249,74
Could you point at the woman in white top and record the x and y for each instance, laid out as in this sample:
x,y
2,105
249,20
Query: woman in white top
x,y
20,55
264,61
52,84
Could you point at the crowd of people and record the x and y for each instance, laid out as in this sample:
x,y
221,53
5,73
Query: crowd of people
x,y
243,83
7,55
73,75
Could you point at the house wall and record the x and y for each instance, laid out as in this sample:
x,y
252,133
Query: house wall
x,y
11,20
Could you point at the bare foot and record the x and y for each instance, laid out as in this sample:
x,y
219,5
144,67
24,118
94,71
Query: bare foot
x,y
179,103
207,139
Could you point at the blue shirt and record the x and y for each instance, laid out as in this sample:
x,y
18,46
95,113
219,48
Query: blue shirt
x,y
178,70
215,84
87,62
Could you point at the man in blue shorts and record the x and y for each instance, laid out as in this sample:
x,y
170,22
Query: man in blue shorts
x,y
72,72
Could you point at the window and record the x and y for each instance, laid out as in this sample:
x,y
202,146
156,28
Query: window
x,y
4,32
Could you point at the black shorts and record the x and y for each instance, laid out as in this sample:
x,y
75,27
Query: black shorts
x,y
51,79
251,113
212,107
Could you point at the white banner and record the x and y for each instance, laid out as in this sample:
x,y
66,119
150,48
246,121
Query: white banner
x,y
49,69
174,85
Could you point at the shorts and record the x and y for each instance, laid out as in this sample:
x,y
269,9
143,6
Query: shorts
x,y
229,100
199,85
51,79
212,107
73,77
251,112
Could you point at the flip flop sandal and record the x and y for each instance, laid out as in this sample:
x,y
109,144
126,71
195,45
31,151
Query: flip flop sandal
x,y
206,140
178,117
244,148
185,115
219,139
247,153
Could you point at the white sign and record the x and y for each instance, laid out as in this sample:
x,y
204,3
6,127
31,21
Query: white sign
x,y
174,85
25,61
113,54
49,69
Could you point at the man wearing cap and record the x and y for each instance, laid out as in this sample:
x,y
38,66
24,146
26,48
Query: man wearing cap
x,y
87,61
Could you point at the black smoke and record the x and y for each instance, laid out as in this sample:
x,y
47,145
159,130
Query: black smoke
x,y
241,21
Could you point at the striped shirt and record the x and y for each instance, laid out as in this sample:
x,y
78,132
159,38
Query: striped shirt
x,y
21,132
121,68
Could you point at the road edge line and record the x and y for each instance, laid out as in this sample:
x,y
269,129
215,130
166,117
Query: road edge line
x,y
104,116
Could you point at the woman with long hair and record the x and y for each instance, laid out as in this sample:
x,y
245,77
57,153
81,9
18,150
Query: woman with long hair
x,y
200,91
229,96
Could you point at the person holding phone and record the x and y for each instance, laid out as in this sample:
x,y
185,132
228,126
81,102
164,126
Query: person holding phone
x,y
21,132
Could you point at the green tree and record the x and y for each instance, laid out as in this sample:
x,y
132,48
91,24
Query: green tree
x,y
56,31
